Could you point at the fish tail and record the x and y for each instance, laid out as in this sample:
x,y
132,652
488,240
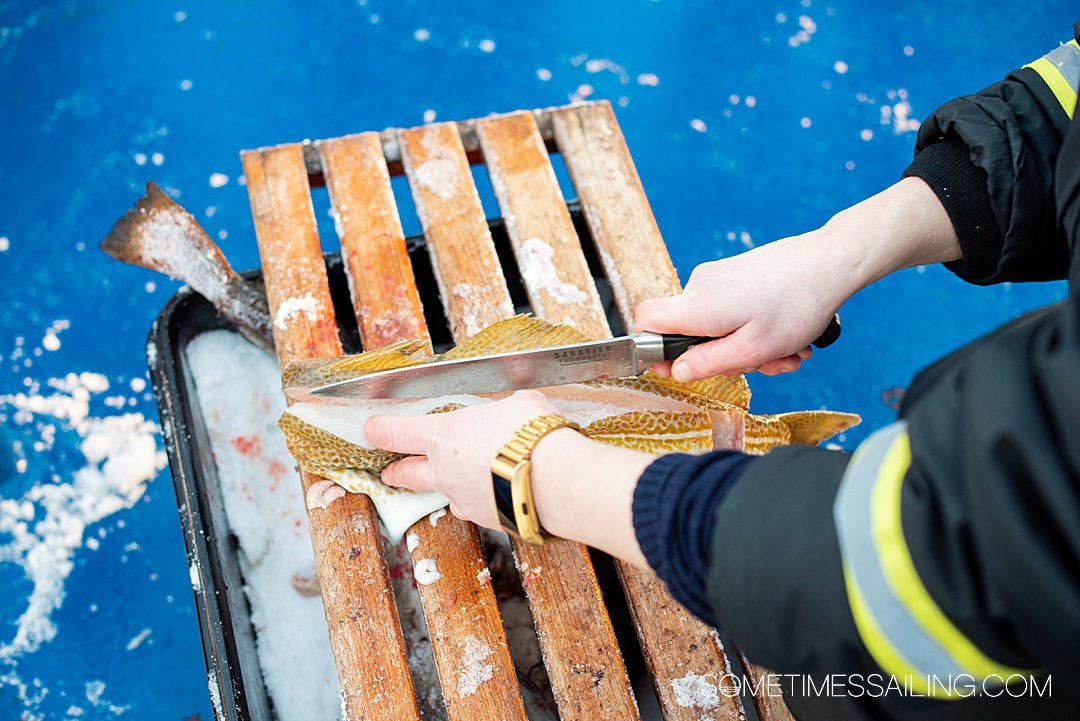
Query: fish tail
x,y
158,234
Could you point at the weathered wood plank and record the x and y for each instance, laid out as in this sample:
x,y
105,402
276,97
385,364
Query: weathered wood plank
x,y
461,610
677,646
383,289
770,706
622,225
365,633
548,252
467,269
581,654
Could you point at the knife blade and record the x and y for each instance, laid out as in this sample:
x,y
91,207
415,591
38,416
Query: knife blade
x,y
537,368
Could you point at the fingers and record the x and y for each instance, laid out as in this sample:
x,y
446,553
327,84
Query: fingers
x,y
805,353
413,473
781,365
723,356
661,315
662,369
401,434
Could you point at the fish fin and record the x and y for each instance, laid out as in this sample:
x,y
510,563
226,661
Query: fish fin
x,y
521,332
728,390
763,433
318,451
315,372
649,382
813,427
655,431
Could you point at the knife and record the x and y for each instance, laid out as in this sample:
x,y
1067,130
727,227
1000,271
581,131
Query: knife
x,y
629,355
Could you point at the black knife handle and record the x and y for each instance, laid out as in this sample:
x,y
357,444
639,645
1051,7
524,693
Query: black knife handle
x,y
676,345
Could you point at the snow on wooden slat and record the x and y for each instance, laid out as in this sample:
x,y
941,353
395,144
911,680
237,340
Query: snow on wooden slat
x,y
365,632
548,252
680,651
460,608
581,654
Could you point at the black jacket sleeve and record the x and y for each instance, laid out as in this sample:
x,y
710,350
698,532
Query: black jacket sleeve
x,y
990,159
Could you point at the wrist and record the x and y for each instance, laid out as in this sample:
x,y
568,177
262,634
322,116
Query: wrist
x,y
553,461
583,491
902,226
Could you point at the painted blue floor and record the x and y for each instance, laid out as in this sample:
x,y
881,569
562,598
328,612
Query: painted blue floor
x,y
743,131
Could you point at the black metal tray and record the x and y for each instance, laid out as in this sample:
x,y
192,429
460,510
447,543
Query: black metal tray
x,y
221,606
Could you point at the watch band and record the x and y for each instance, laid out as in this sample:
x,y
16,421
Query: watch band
x,y
511,478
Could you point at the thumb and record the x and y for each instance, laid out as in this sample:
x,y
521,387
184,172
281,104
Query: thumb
x,y
723,356
401,434
662,315
413,473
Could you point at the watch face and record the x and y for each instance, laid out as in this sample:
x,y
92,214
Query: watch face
x,y
504,502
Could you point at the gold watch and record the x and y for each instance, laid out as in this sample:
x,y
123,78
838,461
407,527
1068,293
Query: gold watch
x,y
511,478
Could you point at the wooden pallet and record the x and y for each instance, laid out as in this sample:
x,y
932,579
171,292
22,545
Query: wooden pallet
x,y
582,657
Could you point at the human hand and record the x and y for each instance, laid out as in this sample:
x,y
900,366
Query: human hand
x,y
764,307
452,452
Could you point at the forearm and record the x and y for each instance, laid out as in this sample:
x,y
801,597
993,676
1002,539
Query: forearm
x,y
902,226
583,491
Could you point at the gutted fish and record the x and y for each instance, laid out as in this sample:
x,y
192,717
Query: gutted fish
x,y
647,413
157,233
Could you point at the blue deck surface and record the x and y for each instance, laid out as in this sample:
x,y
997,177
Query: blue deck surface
x,y
98,97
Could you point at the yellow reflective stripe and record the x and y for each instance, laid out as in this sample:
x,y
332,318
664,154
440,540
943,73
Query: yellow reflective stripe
x,y
902,576
877,643
1057,82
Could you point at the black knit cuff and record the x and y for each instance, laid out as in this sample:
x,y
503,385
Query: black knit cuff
x,y
961,186
674,512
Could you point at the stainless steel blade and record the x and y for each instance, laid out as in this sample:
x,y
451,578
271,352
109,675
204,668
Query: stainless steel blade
x,y
613,358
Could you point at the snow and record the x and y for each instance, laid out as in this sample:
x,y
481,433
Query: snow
x,y
292,308
543,74
238,392
487,45
138,639
439,171
696,692
422,34
433,519
412,542
474,670
540,274
45,526
5,244
193,573
649,79
218,180
699,125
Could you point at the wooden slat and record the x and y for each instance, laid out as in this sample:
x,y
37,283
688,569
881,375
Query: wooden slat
x,y
770,707
461,610
627,238
548,252
637,264
583,660
365,633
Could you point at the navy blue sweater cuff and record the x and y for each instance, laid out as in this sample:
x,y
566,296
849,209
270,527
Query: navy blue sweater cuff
x,y
674,510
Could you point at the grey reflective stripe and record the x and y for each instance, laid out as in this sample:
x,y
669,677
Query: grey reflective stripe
x,y
852,514
1066,58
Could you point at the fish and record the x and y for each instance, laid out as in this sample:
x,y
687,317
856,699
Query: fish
x,y
158,234
648,413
